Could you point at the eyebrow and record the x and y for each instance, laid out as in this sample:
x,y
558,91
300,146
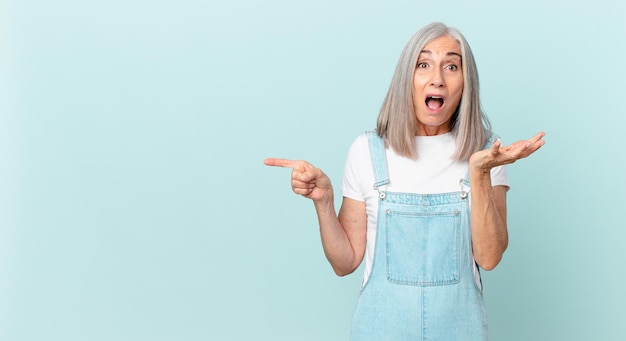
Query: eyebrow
x,y
447,53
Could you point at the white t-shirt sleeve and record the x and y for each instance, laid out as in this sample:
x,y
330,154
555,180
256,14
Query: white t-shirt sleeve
x,y
352,185
499,177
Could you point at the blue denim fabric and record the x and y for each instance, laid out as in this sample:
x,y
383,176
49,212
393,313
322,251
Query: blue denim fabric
x,y
422,285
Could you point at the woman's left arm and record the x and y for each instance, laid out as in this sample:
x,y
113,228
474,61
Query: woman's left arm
x,y
488,214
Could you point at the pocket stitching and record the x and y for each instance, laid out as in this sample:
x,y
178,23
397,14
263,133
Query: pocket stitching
x,y
450,278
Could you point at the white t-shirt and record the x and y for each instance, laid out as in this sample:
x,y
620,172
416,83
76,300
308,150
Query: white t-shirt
x,y
434,171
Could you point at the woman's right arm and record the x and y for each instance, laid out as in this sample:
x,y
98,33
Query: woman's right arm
x,y
343,236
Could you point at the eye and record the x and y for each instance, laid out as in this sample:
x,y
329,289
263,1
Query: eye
x,y
452,67
422,65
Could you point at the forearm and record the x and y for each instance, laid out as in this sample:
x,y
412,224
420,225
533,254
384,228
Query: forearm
x,y
488,220
343,236
338,247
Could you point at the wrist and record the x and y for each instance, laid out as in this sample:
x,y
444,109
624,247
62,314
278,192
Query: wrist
x,y
478,167
479,175
480,171
325,203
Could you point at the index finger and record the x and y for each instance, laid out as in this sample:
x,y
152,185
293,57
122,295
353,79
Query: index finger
x,y
275,162
537,137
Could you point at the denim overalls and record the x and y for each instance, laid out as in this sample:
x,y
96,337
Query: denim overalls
x,y
422,283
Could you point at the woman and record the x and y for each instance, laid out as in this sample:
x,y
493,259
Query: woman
x,y
407,193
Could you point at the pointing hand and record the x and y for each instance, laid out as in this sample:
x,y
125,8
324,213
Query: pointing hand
x,y
306,180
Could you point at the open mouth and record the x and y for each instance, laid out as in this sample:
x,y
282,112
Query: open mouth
x,y
434,102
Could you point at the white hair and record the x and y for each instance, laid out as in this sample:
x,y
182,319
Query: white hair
x,y
397,122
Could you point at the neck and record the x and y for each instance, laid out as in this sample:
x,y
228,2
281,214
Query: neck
x,y
431,131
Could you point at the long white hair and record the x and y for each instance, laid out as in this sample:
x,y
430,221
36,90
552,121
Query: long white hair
x,y
397,122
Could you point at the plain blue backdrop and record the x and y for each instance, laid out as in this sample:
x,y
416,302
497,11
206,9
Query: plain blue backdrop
x,y
134,204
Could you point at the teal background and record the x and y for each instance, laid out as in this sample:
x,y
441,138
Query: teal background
x,y
133,200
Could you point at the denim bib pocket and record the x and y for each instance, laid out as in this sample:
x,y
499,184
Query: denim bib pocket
x,y
423,247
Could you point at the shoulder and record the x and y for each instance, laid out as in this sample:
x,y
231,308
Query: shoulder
x,y
360,144
359,152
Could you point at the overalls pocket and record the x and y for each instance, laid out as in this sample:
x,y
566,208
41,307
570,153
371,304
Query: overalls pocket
x,y
423,247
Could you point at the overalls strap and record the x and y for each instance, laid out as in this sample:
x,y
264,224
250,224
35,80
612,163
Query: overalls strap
x,y
379,159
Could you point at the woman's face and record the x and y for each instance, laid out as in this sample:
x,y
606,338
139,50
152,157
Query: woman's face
x,y
437,85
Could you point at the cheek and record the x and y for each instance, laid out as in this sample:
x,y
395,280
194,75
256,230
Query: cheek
x,y
456,94
459,89
418,91
417,83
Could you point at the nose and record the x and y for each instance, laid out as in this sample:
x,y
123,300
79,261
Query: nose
x,y
437,79
437,84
